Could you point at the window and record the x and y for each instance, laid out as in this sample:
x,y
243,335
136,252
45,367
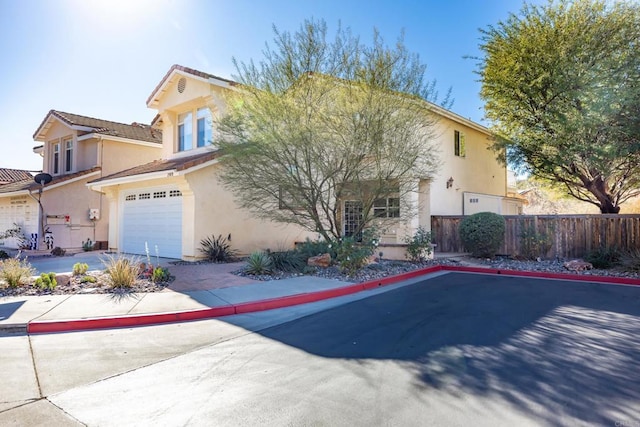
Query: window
x,y
198,120
56,158
458,144
68,155
185,131
387,208
353,219
204,127
130,197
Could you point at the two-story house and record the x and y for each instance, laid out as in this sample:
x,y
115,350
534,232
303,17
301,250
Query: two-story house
x,y
76,149
173,203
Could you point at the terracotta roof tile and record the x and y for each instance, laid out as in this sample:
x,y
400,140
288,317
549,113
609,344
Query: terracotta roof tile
x,y
30,184
13,175
188,71
137,131
176,164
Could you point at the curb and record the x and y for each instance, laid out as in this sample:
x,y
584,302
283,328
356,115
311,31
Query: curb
x,y
52,326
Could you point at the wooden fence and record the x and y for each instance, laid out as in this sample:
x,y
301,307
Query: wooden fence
x,y
563,236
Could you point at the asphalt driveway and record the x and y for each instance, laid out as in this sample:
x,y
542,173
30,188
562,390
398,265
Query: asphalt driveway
x,y
459,349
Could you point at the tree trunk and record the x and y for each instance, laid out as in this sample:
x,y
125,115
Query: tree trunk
x,y
598,187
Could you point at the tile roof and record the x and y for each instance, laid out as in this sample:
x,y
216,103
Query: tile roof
x,y
13,175
176,164
30,184
187,70
137,131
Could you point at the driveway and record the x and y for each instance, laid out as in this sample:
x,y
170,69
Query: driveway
x,y
459,349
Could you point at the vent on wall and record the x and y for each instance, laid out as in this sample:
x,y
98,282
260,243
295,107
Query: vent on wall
x,y
182,84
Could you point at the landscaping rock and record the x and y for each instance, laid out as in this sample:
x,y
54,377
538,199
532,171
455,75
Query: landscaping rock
x,y
578,265
323,261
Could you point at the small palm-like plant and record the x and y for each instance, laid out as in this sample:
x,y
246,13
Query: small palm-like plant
x,y
122,271
259,262
217,249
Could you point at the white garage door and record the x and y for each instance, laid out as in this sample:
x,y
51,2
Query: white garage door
x,y
154,216
21,211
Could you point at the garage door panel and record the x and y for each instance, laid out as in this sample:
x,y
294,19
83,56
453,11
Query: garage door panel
x,y
156,220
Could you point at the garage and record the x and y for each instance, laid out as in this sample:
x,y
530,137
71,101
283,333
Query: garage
x,y
152,216
21,211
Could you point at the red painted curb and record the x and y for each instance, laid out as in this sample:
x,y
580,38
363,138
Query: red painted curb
x,y
542,275
270,304
126,321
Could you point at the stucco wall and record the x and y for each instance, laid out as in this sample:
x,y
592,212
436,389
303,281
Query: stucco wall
x,y
479,171
118,156
74,199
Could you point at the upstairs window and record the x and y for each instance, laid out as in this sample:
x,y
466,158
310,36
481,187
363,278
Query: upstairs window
x,y
387,208
204,127
56,158
68,155
458,144
185,131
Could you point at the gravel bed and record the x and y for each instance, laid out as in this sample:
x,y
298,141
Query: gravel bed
x,y
69,285
390,268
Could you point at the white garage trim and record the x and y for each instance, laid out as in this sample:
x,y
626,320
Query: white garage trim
x,y
152,215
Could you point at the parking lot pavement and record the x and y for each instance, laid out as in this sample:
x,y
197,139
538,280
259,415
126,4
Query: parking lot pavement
x,y
457,349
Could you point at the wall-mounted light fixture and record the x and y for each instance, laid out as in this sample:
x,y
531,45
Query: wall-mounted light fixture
x,y
450,182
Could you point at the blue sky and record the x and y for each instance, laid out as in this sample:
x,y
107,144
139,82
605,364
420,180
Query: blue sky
x,y
102,58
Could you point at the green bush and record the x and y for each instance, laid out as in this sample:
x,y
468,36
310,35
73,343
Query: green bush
x,y
259,262
482,234
122,271
604,257
160,275
288,261
419,246
533,244
47,281
310,248
217,249
16,272
88,279
352,255
80,269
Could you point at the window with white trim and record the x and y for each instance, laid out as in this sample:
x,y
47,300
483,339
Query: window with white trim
x,y
68,155
56,158
387,208
198,120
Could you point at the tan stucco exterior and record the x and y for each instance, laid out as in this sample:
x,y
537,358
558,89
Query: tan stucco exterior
x,y
66,204
209,209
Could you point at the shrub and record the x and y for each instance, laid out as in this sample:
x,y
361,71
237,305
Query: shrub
x,y
87,245
419,246
259,262
310,248
630,260
533,244
160,275
289,261
604,257
217,249
352,255
58,251
88,279
16,272
80,269
122,271
3,254
482,233
47,281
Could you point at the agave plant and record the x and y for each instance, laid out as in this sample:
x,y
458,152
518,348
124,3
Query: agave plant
x,y
217,249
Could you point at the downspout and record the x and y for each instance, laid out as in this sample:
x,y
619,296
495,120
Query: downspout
x,y
42,218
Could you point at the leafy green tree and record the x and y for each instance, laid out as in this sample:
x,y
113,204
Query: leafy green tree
x,y
320,121
562,89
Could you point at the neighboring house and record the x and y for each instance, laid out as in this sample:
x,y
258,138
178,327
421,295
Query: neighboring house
x,y
173,203
76,149
17,207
